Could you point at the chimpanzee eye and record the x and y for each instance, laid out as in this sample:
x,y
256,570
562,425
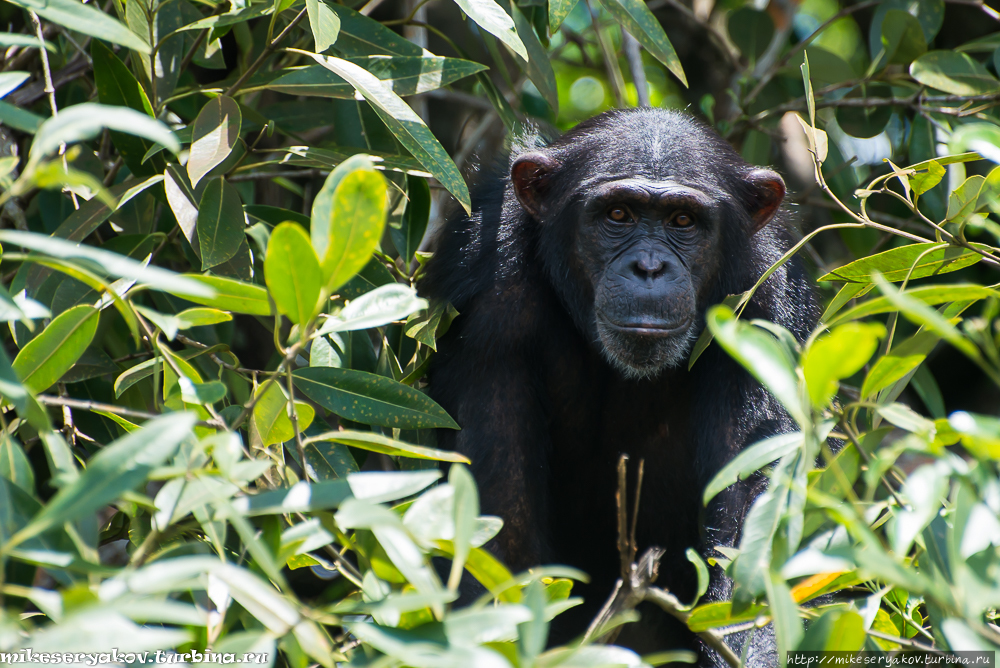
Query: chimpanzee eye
x,y
682,220
618,214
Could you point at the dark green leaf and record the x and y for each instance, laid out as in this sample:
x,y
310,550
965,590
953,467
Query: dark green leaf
x,y
539,67
371,399
221,223
406,75
953,72
216,131
408,236
635,17
404,123
895,264
87,19
116,469
494,20
51,354
229,295
902,37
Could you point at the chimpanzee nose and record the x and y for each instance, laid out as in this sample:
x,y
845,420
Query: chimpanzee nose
x,y
648,266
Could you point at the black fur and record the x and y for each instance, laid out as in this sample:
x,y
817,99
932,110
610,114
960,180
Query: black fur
x,y
544,416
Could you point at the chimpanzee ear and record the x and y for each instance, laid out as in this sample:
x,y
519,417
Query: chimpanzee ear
x,y
531,175
768,190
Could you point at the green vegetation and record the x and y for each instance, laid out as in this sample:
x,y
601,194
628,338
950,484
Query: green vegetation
x,y
189,186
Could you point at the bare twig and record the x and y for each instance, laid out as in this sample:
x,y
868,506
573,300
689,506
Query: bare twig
x,y
268,50
610,59
633,55
669,603
67,402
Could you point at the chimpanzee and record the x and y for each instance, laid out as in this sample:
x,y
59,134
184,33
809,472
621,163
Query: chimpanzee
x,y
582,278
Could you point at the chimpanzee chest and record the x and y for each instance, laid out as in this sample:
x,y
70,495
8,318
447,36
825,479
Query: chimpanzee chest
x,y
595,416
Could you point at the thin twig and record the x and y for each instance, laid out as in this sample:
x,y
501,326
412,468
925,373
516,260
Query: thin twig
x,y
274,174
778,64
268,50
633,56
673,607
49,400
620,501
610,59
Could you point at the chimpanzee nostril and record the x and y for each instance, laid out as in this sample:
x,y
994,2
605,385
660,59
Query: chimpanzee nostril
x,y
648,266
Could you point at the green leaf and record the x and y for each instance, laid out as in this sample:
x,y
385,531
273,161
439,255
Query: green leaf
x,y
10,81
216,131
200,317
905,418
404,123
325,24
20,119
51,354
918,312
953,72
114,470
363,36
494,20
292,273
865,121
371,399
720,613
229,295
322,225
946,160
784,614
837,355
750,460
410,234
270,414
301,497
87,19
762,355
928,294
558,11
18,39
406,75
539,66
922,182
10,387
900,361
231,18
117,86
466,510
964,200
14,464
373,442
635,17
81,122
309,156
902,37
221,223
895,264
356,221
379,307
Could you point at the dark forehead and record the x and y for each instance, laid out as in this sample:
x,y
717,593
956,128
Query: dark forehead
x,y
655,144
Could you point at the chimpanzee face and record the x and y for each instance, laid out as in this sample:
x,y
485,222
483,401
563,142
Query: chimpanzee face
x,y
634,240
646,248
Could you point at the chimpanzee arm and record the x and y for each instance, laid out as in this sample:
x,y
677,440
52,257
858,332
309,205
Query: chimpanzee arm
x,y
505,435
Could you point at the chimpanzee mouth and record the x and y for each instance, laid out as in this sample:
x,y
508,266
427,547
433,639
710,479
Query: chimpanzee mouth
x,y
651,329
642,349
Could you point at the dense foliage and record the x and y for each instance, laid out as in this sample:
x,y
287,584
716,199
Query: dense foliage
x,y
213,219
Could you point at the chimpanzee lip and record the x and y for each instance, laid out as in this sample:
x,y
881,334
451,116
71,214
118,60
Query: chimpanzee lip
x,y
650,328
